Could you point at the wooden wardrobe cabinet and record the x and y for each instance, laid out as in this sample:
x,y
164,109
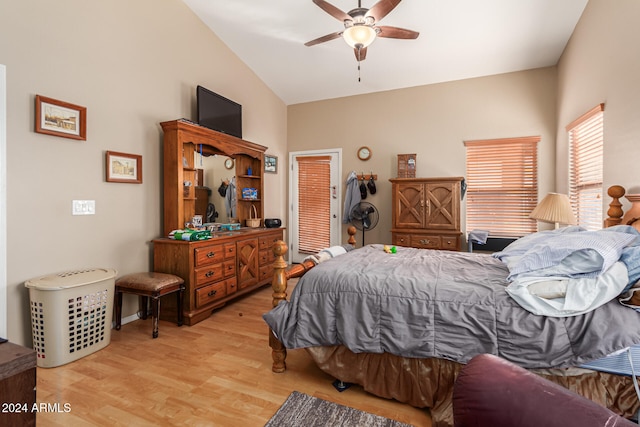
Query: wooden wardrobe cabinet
x,y
426,213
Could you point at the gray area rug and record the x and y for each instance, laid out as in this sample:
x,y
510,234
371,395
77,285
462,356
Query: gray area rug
x,y
302,410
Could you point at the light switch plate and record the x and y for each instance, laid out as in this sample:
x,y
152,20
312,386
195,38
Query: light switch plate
x,y
83,207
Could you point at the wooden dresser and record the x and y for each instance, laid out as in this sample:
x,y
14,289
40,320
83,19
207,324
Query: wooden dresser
x,y
217,270
426,213
17,385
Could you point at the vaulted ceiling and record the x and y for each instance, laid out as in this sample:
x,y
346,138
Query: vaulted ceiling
x,y
458,39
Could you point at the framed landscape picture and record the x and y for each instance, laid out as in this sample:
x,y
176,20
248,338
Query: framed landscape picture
x,y
122,167
60,118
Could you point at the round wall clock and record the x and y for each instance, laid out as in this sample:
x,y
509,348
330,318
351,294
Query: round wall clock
x,y
228,163
364,153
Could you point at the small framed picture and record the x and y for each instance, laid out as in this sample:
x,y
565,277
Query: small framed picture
x,y
60,118
123,167
270,163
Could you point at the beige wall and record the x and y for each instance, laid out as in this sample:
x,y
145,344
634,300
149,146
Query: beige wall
x,y
601,64
133,65
431,121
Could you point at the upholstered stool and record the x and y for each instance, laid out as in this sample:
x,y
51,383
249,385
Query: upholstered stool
x,y
149,285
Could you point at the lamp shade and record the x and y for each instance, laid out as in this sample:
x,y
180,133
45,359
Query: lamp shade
x,y
554,208
359,34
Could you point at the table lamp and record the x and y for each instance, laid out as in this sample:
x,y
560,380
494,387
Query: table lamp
x,y
554,208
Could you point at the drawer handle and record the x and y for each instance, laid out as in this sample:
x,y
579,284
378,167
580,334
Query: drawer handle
x,y
230,267
212,293
211,254
425,241
448,242
210,273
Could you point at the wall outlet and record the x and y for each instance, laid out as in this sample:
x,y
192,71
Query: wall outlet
x,y
83,207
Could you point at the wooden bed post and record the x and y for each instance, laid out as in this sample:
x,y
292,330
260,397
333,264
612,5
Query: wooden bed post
x,y
279,285
281,274
615,207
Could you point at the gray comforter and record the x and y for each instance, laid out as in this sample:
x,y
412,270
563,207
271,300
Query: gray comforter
x,y
450,305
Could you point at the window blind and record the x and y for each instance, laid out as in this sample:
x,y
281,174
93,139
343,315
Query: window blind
x,y
502,185
314,199
586,140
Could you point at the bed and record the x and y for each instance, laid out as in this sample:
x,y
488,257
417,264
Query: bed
x,y
403,324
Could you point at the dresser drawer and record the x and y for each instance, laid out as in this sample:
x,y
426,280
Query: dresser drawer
x,y
210,254
231,285
208,294
229,268
267,257
266,242
425,241
229,250
450,243
266,271
401,239
211,273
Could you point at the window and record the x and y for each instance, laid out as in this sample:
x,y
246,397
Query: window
x,y
585,167
502,185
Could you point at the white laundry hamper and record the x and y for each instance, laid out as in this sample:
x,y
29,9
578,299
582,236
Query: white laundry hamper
x,y
71,314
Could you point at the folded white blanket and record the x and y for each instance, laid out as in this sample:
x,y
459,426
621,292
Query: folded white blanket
x,y
326,254
334,251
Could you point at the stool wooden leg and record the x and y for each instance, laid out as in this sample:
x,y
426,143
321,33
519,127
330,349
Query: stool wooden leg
x,y
142,306
180,297
155,303
118,310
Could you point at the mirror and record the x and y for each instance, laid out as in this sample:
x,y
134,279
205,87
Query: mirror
x,y
214,173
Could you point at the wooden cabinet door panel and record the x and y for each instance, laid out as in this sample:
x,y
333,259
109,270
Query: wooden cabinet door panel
x,y
409,205
442,206
247,255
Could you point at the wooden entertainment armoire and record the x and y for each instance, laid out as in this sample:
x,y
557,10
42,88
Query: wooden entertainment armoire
x,y
230,264
426,212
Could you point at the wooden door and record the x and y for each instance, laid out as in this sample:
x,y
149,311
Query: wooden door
x,y
247,256
443,205
408,202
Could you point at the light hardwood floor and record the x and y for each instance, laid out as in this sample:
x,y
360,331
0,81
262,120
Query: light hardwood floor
x,y
215,373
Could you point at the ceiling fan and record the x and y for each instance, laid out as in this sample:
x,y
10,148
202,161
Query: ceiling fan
x,y
360,26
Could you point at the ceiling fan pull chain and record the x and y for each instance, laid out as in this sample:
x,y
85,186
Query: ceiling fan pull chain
x,y
359,48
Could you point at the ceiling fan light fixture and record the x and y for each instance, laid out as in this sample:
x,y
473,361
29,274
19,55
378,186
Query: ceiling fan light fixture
x,y
359,35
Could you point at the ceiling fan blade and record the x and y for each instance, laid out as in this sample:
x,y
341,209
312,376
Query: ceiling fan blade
x,y
361,53
324,38
332,10
382,9
396,33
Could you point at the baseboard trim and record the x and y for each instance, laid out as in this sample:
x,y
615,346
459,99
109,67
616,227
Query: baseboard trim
x,y
126,320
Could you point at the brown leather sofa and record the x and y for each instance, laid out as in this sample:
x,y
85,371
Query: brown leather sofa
x,y
491,392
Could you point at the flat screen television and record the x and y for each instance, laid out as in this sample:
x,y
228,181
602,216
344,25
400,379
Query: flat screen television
x,y
218,113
